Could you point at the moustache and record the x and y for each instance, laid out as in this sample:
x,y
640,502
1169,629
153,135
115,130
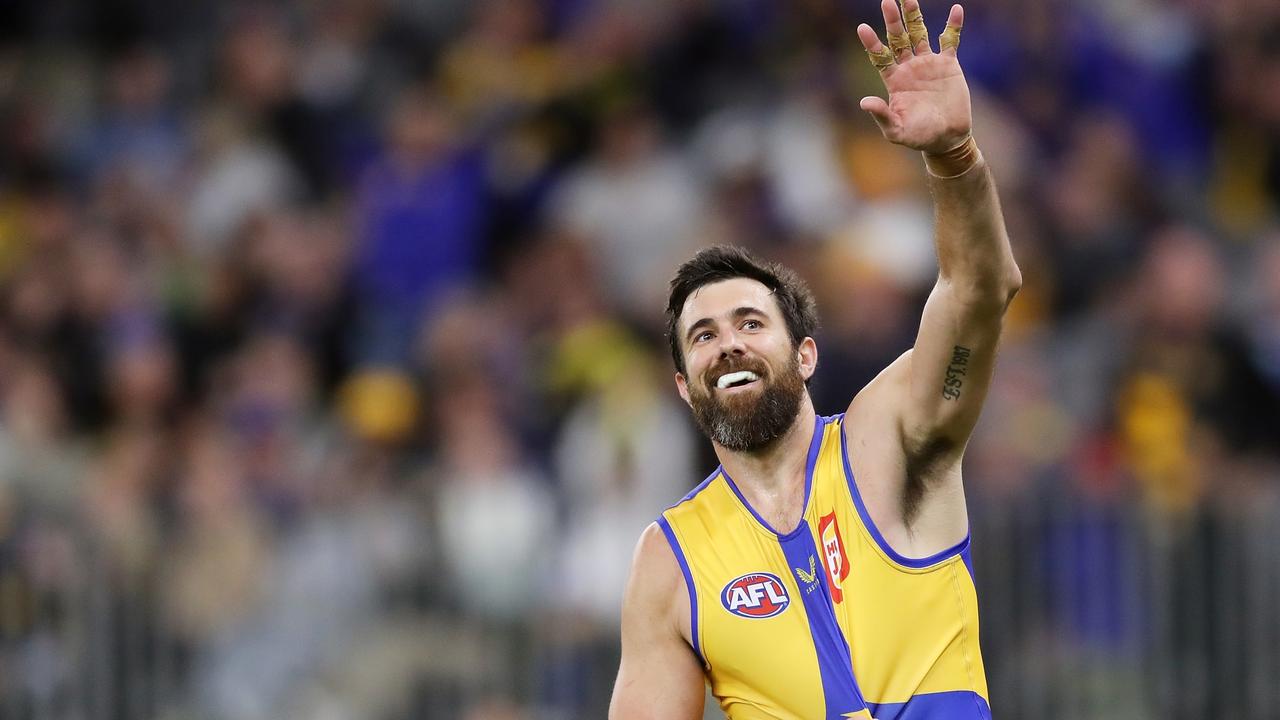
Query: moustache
x,y
712,375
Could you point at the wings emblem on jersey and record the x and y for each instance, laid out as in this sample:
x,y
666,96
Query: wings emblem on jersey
x,y
810,579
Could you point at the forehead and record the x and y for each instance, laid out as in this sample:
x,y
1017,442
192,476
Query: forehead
x,y
719,299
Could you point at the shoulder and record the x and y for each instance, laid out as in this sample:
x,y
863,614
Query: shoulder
x,y
656,583
653,565
874,446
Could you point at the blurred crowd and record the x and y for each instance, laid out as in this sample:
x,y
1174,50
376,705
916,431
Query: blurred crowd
x,y
331,375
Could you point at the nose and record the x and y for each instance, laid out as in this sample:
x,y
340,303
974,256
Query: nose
x,y
731,344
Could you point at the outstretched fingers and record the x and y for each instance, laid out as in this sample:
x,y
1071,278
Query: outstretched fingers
x,y
896,31
881,56
949,40
916,30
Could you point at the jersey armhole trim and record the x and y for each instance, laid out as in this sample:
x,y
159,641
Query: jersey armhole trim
x,y
893,555
698,488
694,630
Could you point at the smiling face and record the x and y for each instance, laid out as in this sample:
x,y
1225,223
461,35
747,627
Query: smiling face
x,y
744,377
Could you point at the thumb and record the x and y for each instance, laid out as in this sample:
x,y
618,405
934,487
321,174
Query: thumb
x,y
878,109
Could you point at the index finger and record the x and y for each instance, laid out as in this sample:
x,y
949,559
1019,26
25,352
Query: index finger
x,y
881,56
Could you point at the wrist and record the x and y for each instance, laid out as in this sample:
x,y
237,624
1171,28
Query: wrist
x,y
954,162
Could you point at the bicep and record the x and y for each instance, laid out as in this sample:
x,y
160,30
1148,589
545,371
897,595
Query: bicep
x,y
949,369
659,676
662,680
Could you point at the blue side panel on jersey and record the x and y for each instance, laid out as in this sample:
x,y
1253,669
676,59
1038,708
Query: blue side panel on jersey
x,y
688,581
839,686
955,705
967,555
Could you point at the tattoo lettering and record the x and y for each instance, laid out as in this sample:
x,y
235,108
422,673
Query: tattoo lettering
x,y
955,372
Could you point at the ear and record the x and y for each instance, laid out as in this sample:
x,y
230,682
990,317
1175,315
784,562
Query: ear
x,y
807,356
682,387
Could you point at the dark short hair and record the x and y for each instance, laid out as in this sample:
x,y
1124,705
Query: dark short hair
x,y
725,262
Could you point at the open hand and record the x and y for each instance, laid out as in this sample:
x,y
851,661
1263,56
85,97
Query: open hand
x,y
928,107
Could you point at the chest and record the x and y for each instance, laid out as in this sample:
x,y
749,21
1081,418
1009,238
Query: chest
x,y
780,510
769,631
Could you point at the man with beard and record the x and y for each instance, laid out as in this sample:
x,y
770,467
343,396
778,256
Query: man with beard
x,y
822,571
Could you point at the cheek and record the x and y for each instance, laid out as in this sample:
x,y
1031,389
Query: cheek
x,y
778,352
695,364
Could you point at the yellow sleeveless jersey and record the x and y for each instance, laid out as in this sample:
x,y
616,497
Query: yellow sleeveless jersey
x,y
826,621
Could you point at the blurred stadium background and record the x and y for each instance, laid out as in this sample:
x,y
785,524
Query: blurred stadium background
x,y
331,382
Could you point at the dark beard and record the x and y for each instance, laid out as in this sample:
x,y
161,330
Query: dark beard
x,y
747,423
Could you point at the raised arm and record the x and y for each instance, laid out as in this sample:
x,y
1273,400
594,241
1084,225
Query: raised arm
x,y
659,677
944,378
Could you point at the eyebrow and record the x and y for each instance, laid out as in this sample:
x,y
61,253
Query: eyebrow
x,y
737,314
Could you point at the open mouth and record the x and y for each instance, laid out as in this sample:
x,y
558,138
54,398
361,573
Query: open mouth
x,y
739,379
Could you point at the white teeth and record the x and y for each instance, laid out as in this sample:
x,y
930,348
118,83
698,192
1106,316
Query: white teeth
x,y
730,378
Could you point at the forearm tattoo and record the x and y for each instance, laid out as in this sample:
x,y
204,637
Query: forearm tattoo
x,y
956,371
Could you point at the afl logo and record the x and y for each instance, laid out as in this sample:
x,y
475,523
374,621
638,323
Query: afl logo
x,y
756,595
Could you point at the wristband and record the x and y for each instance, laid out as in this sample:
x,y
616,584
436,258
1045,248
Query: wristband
x,y
954,162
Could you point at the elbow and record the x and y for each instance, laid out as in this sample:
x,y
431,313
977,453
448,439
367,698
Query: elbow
x,y
1012,283
990,291
1002,285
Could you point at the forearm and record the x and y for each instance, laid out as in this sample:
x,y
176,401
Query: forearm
x,y
974,256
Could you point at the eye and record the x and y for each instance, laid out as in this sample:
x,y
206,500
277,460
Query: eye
x,y
752,325
703,336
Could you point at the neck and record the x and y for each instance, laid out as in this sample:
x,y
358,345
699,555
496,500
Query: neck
x,y
774,470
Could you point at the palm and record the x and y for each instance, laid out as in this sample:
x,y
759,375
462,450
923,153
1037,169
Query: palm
x,y
928,107
928,103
